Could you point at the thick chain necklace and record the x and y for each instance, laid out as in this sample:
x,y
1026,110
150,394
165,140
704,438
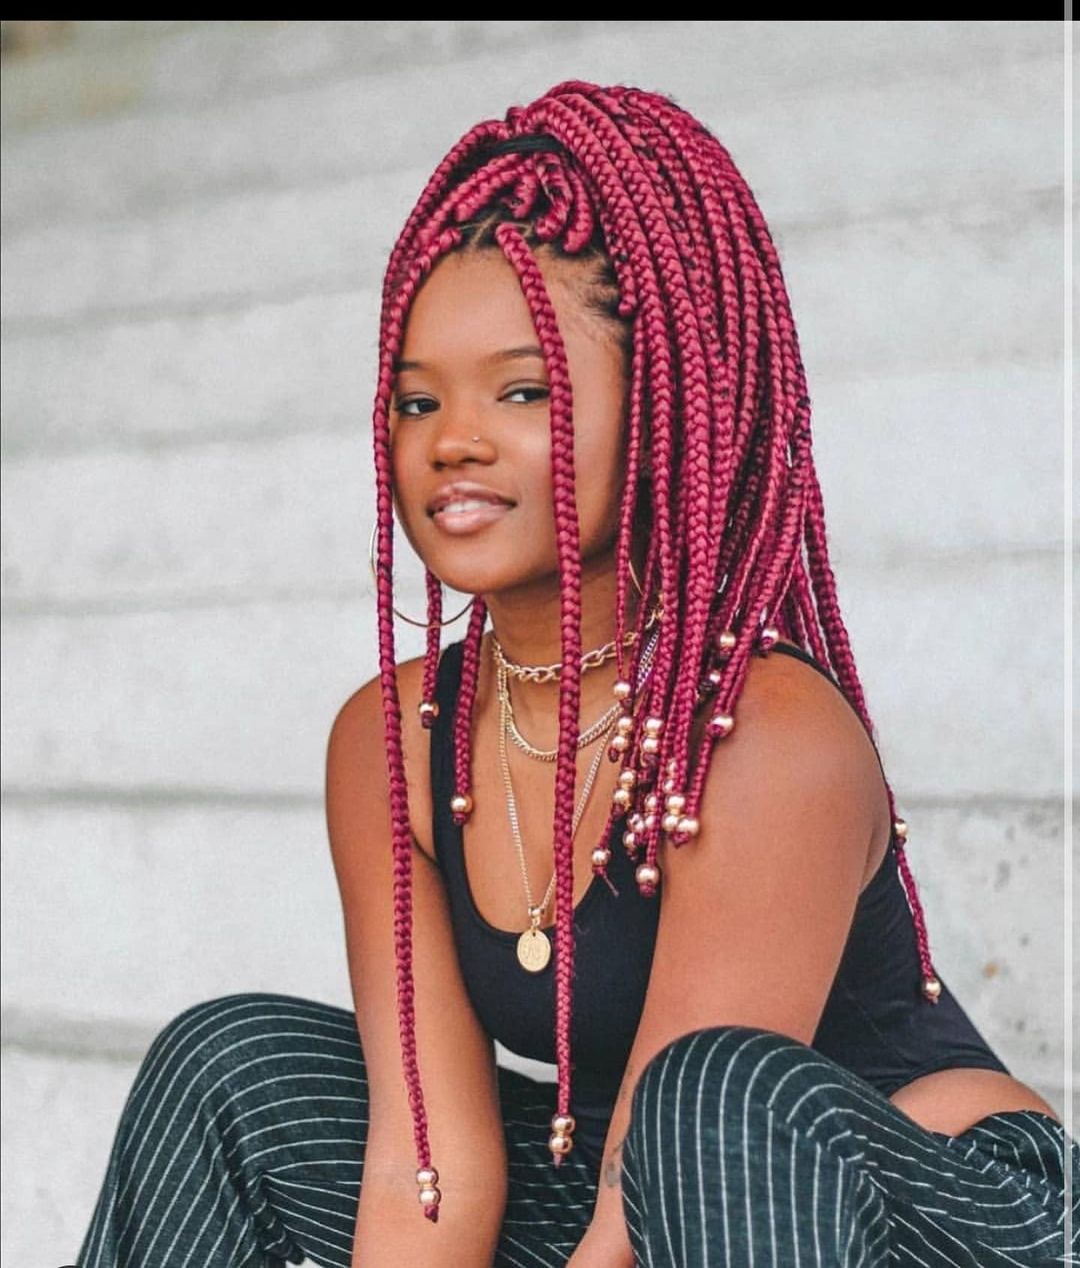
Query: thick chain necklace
x,y
589,660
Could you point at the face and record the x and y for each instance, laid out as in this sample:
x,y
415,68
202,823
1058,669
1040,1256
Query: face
x,y
471,366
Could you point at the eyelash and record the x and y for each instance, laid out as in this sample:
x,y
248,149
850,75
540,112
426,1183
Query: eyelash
x,y
399,406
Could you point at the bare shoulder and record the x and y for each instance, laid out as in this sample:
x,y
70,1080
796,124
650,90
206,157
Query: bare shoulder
x,y
795,728
770,881
361,726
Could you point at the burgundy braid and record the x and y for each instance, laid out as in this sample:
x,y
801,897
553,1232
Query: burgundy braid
x,y
393,320
719,470
646,219
569,545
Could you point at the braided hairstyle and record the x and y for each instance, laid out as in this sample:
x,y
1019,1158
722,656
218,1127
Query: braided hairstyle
x,y
719,469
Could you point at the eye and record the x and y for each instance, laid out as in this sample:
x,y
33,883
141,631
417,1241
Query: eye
x,y
402,407
535,392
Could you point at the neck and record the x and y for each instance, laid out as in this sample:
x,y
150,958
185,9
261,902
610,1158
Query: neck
x,y
527,629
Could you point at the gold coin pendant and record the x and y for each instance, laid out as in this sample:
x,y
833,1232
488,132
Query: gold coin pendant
x,y
533,950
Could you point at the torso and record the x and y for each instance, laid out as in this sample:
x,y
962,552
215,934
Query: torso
x,y
947,1101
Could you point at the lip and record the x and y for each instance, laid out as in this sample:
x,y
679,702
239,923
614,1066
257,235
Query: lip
x,y
460,522
461,490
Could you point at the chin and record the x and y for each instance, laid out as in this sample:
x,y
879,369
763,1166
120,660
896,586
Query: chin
x,y
472,582
475,577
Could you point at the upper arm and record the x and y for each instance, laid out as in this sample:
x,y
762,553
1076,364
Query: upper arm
x,y
756,909
455,1055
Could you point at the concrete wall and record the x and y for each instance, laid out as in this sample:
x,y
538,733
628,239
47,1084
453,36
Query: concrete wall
x,y
195,216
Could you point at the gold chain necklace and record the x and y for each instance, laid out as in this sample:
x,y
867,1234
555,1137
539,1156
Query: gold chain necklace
x,y
589,660
549,673
534,946
601,727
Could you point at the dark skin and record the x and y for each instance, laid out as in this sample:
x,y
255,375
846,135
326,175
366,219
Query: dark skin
x,y
456,387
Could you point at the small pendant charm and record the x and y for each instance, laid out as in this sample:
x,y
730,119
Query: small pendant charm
x,y
533,950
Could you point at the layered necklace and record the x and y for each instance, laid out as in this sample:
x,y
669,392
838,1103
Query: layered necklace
x,y
534,945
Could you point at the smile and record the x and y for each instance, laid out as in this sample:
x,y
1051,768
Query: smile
x,y
468,515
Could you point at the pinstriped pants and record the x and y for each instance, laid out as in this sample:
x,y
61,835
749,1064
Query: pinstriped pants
x,y
242,1144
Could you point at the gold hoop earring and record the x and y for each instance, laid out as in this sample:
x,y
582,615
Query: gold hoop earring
x,y
634,576
424,625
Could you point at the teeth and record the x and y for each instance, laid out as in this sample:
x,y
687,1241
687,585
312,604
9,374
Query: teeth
x,y
473,504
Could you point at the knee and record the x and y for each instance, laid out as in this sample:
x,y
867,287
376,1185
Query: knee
x,y
724,1072
205,1043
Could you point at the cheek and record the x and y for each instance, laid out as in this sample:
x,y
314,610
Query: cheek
x,y
599,462
403,462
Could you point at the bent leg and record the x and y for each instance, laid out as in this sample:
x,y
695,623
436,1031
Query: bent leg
x,y
746,1146
241,1141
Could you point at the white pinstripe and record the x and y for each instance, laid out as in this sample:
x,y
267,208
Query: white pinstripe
x,y
794,1199
678,1161
658,1157
748,1181
769,1191
816,1205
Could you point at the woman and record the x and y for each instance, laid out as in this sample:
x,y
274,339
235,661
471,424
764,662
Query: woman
x,y
591,415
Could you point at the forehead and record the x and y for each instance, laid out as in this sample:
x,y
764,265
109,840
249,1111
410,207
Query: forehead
x,y
472,304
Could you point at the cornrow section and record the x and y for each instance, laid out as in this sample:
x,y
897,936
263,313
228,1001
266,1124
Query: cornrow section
x,y
719,453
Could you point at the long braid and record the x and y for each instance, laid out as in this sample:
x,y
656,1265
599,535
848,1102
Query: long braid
x,y
562,468
719,471
394,313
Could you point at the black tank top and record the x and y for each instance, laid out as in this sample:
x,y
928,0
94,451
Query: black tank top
x,y
875,1021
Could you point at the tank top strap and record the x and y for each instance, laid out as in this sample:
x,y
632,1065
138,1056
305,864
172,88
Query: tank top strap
x,y
447,682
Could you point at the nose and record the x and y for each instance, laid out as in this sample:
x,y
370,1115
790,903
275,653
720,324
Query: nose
x,y
457,440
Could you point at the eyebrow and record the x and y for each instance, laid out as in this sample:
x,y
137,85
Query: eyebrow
x,y
506,354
